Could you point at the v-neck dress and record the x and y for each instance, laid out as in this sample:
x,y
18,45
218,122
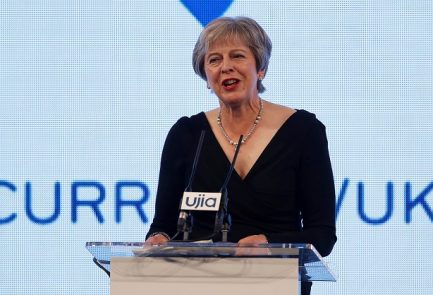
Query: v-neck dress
x,y
288,195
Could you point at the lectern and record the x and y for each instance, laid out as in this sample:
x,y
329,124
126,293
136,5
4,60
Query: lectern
x,y
209,268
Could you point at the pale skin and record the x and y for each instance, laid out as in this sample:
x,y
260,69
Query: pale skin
x,y
225,63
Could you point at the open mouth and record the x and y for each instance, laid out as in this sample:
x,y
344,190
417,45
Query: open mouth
x,y
229,83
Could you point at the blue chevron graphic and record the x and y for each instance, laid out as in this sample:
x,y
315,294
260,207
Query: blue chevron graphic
x,y
206,10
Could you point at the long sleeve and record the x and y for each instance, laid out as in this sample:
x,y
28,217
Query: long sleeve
x,y
171,180
316,194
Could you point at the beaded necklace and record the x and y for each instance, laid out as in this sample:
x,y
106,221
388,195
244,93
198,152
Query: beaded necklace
x,y
250,131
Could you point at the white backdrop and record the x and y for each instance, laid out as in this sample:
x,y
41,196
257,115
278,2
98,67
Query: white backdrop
x,y
89,89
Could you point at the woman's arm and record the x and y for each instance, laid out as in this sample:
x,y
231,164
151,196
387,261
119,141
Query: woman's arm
x,y
171,181
316,194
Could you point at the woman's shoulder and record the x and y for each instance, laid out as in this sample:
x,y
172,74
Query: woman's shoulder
x,y
299,114
196,120
185,130
278,110
282,114
299,119
189,126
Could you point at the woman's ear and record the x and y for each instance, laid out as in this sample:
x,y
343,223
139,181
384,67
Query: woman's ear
x,y
261,74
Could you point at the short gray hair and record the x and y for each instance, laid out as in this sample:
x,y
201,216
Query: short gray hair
x,y
246,30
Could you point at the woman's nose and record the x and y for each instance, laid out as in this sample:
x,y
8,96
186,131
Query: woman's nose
x,y
227,66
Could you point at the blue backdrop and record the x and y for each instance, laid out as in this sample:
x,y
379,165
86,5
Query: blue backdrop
x,y
89,89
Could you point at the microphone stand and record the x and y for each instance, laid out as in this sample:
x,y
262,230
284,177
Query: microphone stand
x,y
185,221
223,220
226,218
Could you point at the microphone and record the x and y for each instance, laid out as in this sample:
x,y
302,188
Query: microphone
x,y
185,220
223,220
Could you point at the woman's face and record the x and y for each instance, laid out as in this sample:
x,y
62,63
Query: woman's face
x,y
231,71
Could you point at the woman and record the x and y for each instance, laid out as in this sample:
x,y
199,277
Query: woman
x,y
282,189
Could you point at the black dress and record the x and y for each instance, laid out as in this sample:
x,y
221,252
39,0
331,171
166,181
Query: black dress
x,y
288,195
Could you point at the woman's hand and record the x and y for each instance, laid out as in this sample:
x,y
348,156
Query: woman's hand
x,y
248,246
157,239
253,240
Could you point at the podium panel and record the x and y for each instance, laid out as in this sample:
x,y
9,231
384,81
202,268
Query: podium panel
x,y
211,268
204,275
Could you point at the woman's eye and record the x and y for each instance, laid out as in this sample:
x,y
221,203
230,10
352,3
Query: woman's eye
x,y
213,60
239,56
